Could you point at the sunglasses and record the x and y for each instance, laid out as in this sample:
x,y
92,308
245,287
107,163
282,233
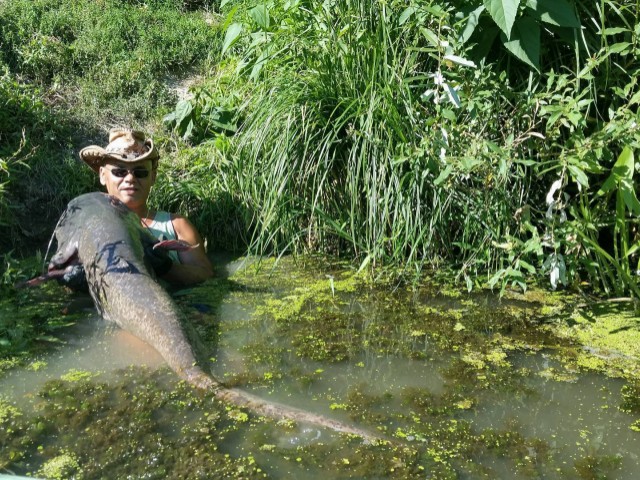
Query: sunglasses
x,y
123,172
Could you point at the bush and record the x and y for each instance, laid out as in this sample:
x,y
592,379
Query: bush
x,y
368,129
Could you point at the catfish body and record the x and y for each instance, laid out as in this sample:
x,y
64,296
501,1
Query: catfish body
x,y
105,236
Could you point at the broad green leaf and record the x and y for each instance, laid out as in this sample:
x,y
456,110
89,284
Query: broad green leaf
x,y
486,38
233,32
615,30
460,60
183,111
443,175
525,42
625,164
470,26
169,119
630,199
404,16
431,37
504,13
619,48
188,129
468,163
622,170
608,185
222,119
496,277
555,12
260,15
579,175
453,95
448,114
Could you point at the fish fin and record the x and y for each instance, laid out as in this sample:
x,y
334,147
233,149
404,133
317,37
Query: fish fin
x,y
64,258
34,282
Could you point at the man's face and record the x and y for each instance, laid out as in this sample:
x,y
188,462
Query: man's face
x,y
126,181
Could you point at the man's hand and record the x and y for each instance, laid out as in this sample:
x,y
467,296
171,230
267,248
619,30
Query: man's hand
x,y
159,260
75,278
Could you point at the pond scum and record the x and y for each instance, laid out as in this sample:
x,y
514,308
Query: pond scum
x,y
146,424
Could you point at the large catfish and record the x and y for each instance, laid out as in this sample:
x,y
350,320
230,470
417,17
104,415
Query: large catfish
x,y
101,233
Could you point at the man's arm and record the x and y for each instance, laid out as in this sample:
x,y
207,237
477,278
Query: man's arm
x,y
195,266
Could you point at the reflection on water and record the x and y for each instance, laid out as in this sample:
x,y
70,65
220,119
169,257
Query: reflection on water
x,y
578,416
443,401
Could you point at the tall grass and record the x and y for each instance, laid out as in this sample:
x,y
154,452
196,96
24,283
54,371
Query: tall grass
x,y
343,152
371,134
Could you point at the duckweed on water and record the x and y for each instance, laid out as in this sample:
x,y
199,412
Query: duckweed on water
x,y
143,426
610,334
631,397
17,435
61,467
31,321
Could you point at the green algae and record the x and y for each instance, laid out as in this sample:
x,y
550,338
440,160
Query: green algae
x,y
61,467
610,337
143,426
17,434
32,321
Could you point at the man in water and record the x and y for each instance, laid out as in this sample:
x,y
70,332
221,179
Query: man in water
x,y
128,168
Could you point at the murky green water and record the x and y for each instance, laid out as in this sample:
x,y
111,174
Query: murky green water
x,y
463,387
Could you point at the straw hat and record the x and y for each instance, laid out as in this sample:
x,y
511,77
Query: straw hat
x,y
125,145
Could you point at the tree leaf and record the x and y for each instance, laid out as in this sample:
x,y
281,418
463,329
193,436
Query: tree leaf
x,y
183,111
431,37
625,164
233,32
554,12
619,48
460,61
525,42
504,13
453,95
169,119
443,175
260,15
579,175
404,16
472,22
622,170
630,199
188,129
615,31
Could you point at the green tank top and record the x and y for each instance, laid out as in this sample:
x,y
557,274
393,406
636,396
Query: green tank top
x,y
162,228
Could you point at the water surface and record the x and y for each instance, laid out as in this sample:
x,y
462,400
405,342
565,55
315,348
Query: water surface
x,y
449,382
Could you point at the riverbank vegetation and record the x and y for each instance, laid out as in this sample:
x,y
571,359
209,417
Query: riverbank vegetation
x,y
495,140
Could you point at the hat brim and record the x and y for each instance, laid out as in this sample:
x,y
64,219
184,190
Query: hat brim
x,y
96,156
